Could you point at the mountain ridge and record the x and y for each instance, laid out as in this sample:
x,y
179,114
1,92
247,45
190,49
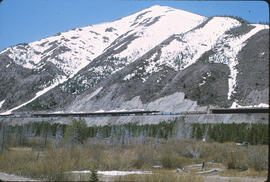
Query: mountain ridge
x,y
78,62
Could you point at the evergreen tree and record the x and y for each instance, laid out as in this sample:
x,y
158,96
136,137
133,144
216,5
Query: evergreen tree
x,y
199,133
76,132
93,175
58,136
2,136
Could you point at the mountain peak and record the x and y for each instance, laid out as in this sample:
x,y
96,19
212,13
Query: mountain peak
x,y
158,7
147,50
166,9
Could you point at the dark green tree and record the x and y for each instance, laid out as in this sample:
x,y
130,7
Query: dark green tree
x,y
93,175
199,133
77,132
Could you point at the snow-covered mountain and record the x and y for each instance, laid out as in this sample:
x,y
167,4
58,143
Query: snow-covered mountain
x,y
159,58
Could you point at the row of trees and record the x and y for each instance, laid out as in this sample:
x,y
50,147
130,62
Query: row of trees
x,y
78,132
243,132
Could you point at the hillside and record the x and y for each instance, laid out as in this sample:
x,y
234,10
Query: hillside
x,y
159,58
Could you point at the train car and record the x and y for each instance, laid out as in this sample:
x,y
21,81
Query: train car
x,y
239,110
95,114
175,113
170,113
166,113
6,115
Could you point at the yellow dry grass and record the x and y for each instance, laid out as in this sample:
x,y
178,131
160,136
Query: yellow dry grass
x,y
51,163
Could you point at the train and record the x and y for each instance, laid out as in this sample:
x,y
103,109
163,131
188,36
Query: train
x,y
96,114
134,113
78,114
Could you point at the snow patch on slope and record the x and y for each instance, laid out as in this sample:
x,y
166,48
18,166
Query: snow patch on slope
x,y
73,50
115,173
95,93
227,51
208,74
163,25
59,81
129,76
189,47
69,50
235,105
150,68
1,103
27,59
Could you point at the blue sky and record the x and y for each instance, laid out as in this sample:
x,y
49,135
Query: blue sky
x,y
24,21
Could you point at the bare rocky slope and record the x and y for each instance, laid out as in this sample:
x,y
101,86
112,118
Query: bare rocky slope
x,y
159,58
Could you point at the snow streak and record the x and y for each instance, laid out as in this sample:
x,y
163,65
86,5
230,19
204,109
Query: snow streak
x,y
227,53
1,103
59,81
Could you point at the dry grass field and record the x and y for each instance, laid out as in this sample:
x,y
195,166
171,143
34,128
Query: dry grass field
x,y
51,163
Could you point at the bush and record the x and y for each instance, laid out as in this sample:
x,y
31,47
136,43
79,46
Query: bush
x,y
258,157
172,161
144,156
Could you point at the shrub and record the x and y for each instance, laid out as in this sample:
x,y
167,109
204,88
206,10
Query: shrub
x,y
258,157
173,160
144,156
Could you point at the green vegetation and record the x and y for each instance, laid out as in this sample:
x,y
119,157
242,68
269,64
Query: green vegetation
x,y
46,151
105,68
240,30
75,86
36,105
52,163
179,61
206,55
240,19
93,176
243,132
78,132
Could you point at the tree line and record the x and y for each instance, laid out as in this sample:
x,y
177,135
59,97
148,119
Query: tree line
x,y
242,132
78,132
